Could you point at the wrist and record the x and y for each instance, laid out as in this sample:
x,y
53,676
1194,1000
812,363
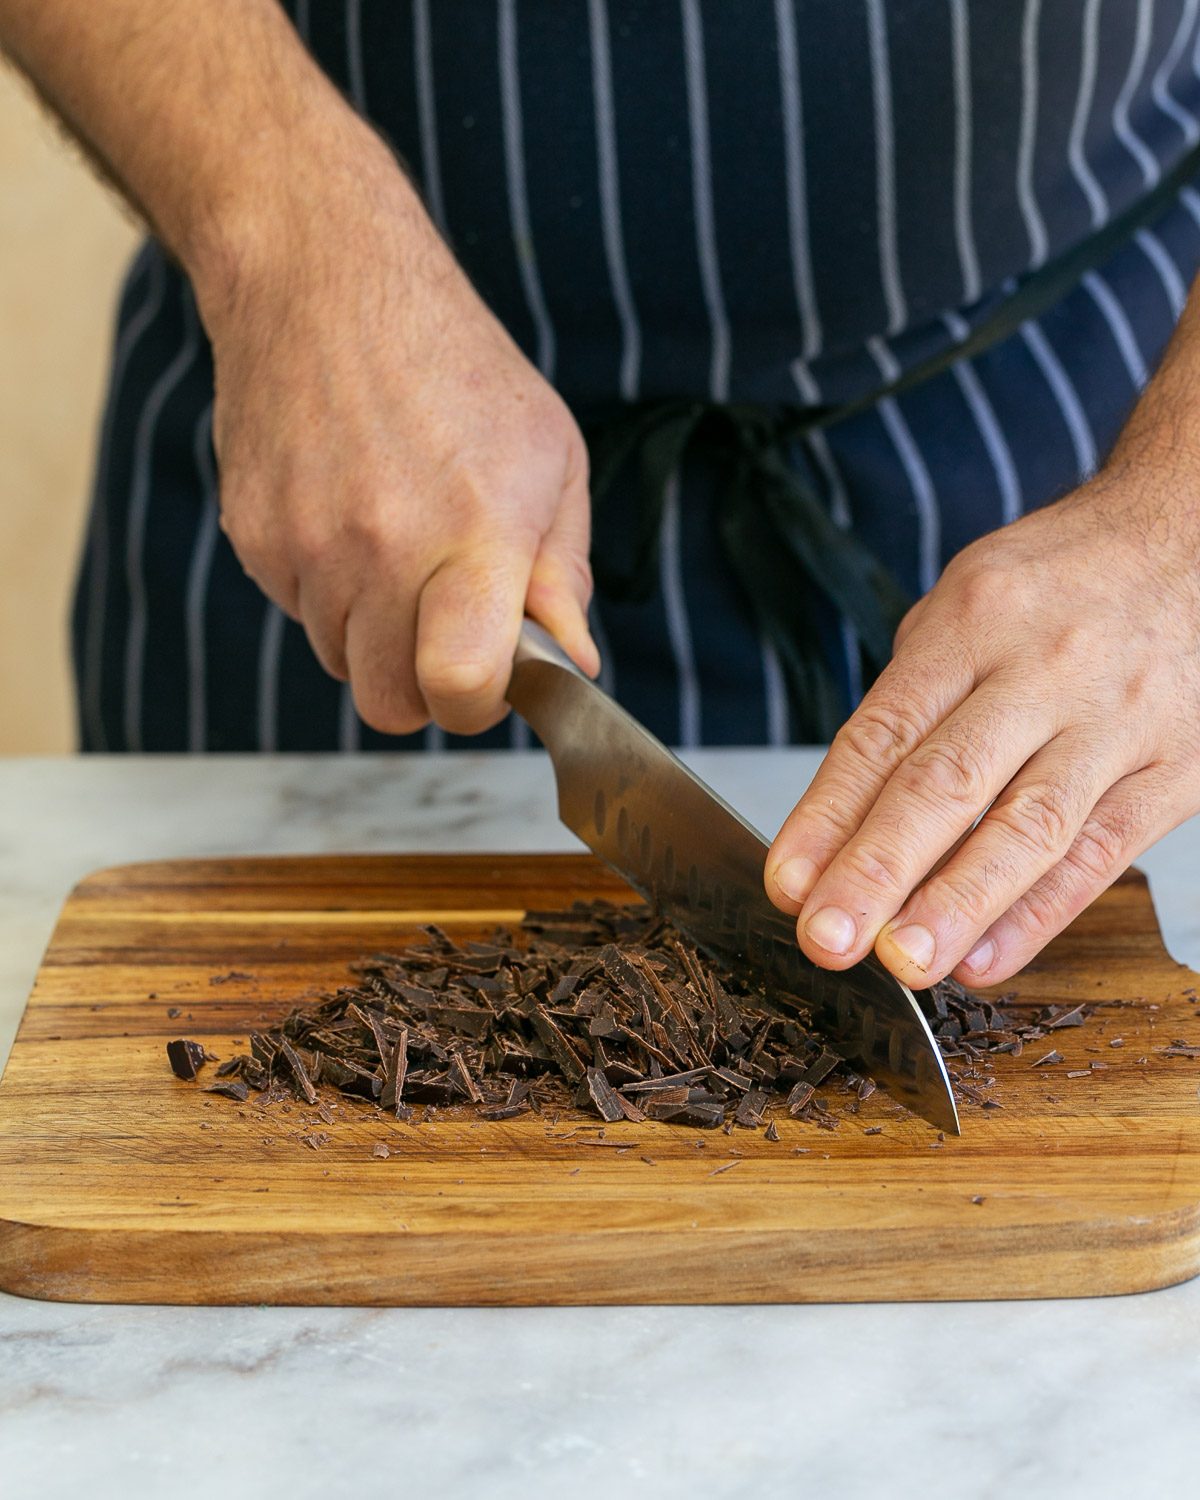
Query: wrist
x,y
296,199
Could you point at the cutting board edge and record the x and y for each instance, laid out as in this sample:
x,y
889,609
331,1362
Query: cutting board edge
x,y
127,872
613,1267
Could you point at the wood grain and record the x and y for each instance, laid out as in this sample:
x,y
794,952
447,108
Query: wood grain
x,y
119,1183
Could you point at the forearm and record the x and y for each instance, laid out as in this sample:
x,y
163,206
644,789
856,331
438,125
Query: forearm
x,y
1154,467
209,114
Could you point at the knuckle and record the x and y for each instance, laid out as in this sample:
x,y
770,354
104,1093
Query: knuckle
x,y
1100,845
241,526
952,769
879,735
1043,910
1070,642
983,586
970,894
462,681
1041,818
876,871
310,541
371,524
387,712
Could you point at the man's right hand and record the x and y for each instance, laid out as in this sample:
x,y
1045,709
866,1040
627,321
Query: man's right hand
x,y
394,472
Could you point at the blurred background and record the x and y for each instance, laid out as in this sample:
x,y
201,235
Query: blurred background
x,y
64,244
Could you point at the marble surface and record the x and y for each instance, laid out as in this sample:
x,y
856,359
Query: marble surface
x,y
1096,1398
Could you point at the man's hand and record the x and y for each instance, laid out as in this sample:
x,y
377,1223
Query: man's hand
x,y
394,473
1050,682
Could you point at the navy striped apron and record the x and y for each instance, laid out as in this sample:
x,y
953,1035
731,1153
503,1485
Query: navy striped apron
x,y
773,201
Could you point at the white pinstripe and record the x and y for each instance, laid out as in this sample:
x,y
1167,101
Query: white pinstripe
x,y
1008,481
98,542
610,199
1119,326
1191,201
270,652
518,198
964,228
839,510
702,198
1160,88
929,520
522,229
196,597
1152,247
1133,143
1065,394
139,504
1034,225
778,722
354,56
885,168
796,179
1084,176
431,167
1196,57
678,630
348,727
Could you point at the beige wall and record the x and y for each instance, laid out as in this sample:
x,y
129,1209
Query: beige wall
x,y
63,246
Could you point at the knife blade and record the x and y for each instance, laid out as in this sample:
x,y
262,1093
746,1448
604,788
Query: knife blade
x,y
698,862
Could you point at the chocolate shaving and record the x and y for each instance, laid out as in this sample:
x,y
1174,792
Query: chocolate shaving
x,y
603,1006
234,1088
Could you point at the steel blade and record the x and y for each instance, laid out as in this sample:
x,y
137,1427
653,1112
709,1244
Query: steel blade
x,y
684,849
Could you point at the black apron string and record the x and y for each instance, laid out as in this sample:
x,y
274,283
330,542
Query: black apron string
x,y
777,534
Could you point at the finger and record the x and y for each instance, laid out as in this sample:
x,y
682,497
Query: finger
x,y
1130,817
264,566
914,693
931,799
468,620
323,614
1027,830
560,585
380,632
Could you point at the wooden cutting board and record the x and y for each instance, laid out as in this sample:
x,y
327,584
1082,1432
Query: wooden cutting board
x,y
120,1183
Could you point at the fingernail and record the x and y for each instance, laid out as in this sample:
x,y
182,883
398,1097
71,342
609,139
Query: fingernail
x,y
915,944
832,929
981,957
796,877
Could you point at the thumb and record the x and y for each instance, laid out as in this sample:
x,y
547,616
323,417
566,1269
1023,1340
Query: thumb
x,y
560,583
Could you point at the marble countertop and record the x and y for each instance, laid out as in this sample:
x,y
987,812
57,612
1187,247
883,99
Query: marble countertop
x,y
1066,1398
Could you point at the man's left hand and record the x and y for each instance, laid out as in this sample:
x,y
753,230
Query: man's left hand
x,y
1049,682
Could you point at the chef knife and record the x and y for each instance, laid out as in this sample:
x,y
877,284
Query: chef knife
x,y
685,850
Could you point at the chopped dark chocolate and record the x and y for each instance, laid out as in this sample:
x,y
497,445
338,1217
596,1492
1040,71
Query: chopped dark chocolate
x,y
604,1006
233,1088
186,1057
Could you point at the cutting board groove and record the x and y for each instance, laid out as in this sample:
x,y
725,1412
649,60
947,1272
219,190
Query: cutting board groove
x,y
119,1183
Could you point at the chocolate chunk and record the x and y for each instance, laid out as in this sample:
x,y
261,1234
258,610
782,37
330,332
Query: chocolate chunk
x,y
186,1058
235,1088
601,1005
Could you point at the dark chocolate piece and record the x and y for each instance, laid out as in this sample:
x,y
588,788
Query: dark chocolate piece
x,y
234,1088
186,1058
601,1005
